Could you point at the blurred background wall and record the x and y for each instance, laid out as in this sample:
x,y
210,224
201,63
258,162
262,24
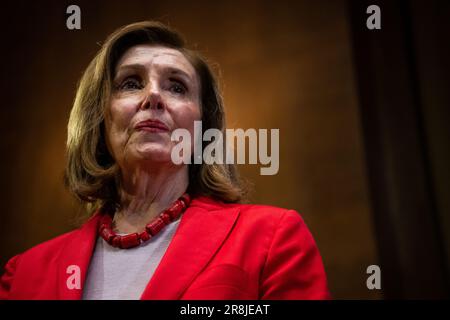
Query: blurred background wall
x,y
354,108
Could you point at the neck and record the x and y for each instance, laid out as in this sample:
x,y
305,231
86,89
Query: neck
x,y
145,194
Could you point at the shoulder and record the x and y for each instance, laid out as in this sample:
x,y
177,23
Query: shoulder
x,y
47,251
50,246
44,253
261,215
268,214
31,265
275,221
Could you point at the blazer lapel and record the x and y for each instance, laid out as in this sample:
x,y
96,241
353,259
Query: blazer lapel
x,y
200,234
74,260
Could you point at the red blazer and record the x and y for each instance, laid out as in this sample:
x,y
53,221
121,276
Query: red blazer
x,y
219,251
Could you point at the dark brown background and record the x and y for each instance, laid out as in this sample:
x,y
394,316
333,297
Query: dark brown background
x,y
362,116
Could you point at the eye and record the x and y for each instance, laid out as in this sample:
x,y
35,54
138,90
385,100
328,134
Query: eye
x,y
177,87
131,83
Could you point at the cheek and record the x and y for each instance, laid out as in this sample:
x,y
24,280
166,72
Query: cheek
x,y
117,121
121,113
187,121
186,115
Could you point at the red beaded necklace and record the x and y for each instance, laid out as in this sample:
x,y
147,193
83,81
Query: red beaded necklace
x,y
151,229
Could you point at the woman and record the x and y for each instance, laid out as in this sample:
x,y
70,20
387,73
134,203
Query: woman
x,y
160,230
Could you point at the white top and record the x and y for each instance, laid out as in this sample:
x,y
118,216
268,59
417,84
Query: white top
x,y
123,274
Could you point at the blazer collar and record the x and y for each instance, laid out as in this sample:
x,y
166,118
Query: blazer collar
x,y
203,228
77,253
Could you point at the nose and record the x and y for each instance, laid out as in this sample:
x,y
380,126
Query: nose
x,y
153,100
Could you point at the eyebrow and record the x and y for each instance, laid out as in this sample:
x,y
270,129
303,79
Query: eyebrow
x,y
139,67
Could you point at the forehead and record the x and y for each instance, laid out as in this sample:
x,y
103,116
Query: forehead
x,y
150,56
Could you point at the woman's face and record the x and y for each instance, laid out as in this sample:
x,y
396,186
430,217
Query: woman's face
x,y
155,91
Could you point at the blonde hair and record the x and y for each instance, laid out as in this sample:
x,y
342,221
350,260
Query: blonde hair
x,y
91,173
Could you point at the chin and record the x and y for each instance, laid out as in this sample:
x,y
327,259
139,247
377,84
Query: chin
x,y
154,153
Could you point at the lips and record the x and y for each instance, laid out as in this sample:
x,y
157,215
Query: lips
x,y
152,126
